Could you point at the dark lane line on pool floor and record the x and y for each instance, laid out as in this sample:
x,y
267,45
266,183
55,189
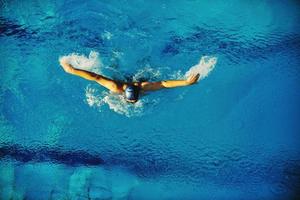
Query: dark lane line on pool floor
x,y
47,154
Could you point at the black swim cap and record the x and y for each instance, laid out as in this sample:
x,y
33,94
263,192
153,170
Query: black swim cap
x,y
132,93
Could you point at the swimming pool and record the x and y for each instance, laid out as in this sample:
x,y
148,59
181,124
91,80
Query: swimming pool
x,y
234,135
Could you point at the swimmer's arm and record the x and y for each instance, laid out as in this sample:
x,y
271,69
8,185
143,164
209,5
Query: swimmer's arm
x,y
148,86
112,85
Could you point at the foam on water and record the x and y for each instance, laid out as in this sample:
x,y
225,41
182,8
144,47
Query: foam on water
x,y
92,63
204,67
147,73
98,98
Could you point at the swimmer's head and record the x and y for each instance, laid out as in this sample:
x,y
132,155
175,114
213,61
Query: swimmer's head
x,y
132,93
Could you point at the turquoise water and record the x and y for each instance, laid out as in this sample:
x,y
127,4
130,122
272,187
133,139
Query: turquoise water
x,y
234,135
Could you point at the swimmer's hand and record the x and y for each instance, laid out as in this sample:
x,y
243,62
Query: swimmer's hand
x,y
66,66
192,79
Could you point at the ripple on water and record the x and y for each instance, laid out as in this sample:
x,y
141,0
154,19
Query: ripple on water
x,y
231,44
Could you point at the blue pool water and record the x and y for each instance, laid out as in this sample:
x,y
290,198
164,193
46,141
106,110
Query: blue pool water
x,y
234,135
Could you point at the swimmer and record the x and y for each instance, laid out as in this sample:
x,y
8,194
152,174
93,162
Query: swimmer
x,y
131,91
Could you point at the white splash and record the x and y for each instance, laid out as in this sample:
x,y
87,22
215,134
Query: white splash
x,y
93,98
147,73
204,67
91,63
177,75
116,102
